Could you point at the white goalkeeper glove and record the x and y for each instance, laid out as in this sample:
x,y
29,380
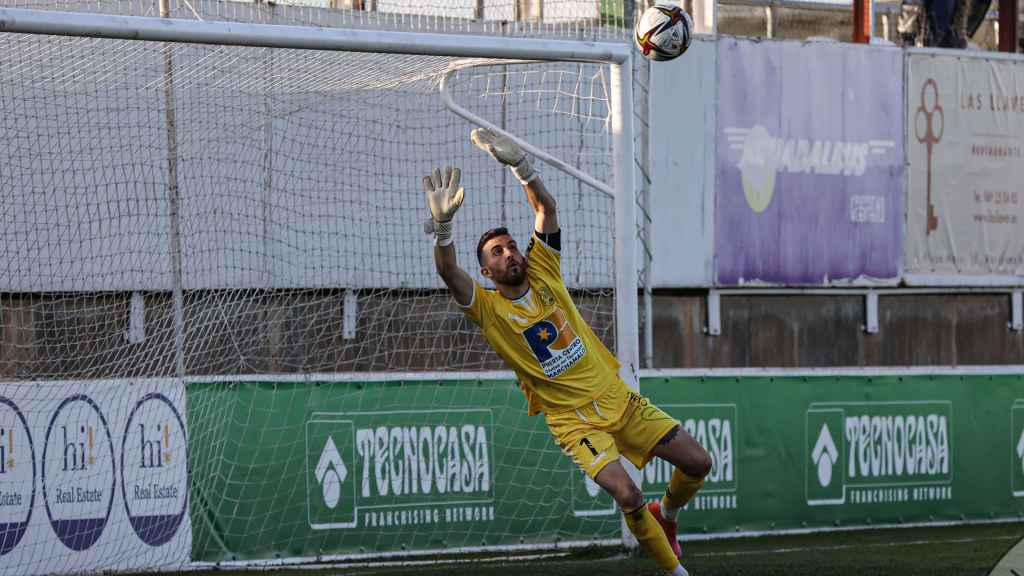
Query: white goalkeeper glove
x,y
444,196
504,150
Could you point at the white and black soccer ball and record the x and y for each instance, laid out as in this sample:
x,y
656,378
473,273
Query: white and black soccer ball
x,y
663,32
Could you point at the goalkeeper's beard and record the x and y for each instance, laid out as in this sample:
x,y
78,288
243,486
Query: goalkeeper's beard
x,y
514,275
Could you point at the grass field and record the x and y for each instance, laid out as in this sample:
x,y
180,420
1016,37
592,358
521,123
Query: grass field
x,y
934,551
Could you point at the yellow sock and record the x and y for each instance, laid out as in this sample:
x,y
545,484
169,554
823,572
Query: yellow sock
x,y
681,489
648,532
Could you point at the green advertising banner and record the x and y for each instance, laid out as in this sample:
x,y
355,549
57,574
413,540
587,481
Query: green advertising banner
x,y
301,469
826,451
308,469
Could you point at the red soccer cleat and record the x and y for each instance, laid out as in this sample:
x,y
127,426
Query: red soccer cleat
x,y
669,526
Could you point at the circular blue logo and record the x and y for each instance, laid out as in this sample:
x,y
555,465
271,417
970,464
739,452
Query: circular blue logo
x,y
79,475
154,473
17,475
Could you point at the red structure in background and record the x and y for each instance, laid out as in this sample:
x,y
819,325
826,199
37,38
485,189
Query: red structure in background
x,y
862,21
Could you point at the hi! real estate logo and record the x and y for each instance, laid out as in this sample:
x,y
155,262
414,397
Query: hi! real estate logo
x,y
17,475
154,476
78,472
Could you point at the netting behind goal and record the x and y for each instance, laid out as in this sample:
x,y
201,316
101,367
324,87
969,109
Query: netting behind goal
x,y
298,195
250,219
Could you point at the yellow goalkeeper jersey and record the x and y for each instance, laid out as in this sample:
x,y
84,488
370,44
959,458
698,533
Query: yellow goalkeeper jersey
x,y
559,361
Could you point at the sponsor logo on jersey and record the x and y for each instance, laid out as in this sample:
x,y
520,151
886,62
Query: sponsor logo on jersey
x,y
555,344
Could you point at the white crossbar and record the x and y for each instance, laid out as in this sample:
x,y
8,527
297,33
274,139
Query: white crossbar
x,y
304,37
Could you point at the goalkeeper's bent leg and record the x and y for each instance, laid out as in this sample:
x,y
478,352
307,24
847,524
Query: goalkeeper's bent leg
x,y
648,532
681,489
692,463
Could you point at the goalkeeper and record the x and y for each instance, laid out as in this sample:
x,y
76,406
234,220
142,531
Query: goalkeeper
x,y
564,370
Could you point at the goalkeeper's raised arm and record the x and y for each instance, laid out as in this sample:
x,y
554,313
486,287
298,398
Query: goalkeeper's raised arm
x,y
504,150
444,197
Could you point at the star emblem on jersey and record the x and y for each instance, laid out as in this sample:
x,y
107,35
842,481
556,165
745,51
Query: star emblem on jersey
x,y
543,334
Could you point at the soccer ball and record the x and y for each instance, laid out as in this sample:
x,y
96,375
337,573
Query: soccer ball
x,y
663,32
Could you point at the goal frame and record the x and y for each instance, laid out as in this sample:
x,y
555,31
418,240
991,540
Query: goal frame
x,y
618,57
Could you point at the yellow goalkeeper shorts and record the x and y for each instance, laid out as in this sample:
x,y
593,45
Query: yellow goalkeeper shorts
x,y
619,422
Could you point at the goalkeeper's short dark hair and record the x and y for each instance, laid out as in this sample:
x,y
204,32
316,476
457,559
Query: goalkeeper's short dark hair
x,y
492,233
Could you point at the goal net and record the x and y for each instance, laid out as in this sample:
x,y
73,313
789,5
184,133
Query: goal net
x,y
213,267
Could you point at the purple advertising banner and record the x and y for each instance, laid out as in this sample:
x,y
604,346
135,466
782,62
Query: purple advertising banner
x,y
809,164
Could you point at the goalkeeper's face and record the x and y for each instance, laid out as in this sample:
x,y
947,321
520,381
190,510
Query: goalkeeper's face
x,y
502,262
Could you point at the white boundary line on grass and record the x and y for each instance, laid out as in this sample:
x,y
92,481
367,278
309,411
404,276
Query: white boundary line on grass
x,y
328,561
413,563
350,559
850,528
847,546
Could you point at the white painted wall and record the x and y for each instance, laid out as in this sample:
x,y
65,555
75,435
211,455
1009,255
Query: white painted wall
x,y
682,120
